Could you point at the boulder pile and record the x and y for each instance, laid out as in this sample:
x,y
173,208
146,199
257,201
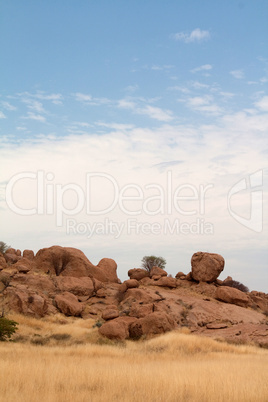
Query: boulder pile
x,y
62,279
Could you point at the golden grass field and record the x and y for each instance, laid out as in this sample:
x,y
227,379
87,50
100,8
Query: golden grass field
x,y
58,359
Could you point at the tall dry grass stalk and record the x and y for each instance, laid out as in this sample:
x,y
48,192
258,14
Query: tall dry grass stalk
x,y
171,368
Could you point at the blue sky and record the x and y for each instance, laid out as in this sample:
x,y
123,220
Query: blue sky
x,y
144,92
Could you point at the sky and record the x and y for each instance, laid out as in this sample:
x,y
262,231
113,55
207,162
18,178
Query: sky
x,y
133,128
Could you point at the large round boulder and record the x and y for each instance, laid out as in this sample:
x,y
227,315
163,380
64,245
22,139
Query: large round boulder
x,y
206,267
68,261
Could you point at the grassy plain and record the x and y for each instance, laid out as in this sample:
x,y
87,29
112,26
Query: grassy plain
x,y
57,359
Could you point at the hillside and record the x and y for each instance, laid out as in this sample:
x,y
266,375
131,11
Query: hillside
x,y
63,280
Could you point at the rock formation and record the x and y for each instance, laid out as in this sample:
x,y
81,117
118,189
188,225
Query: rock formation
x,y
62,279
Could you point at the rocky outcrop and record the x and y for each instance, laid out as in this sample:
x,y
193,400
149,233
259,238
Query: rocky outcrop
x,y
232,295
206,267
67,261
138,273
60,279
68,304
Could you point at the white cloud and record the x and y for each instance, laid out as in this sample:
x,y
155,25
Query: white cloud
x,y
238,74
89,100
33,116
82,97
34,105
156,113
126,104
204,67
55,98
2,115
197,35
116,126
153,112
8,106
262,104
204,104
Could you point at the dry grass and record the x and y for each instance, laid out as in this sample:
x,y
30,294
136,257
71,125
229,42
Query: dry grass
x,y
173,367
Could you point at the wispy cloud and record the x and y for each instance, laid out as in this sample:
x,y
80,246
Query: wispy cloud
x,y
33,116
2,115
8,106
153,112
90,100
204,104
197,35
156,113
262,104
238,74
204,67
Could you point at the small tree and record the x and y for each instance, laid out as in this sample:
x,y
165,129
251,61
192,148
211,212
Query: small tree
x,y
7,328
150,261
3,247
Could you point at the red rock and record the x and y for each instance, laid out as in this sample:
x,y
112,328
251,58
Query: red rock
x,y
132,283
29,254
68,304
188,277
77,286
67,261
117,328
25,302
38,283
179,274
217,325
11,258
138,273
152,324
3,263
157,271
232,295
167,282
140,310
206,267
156,277
23,265
110,313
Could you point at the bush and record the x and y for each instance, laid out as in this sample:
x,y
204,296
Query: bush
x,y
148,262
3,247
237,285
7,328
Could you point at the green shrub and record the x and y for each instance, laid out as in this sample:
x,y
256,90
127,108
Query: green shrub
x,y
7,328
150,261
3,247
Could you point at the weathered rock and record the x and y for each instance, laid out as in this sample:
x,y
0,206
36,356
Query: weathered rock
x,y
206,267
23,265
110,313
24,302
117,328
232,295
141,310
11,258
138,273
157,271
179,274
152,324
67,261
167,282
68,304
38,283
188,277
29,254
3,263
77,286
132,283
